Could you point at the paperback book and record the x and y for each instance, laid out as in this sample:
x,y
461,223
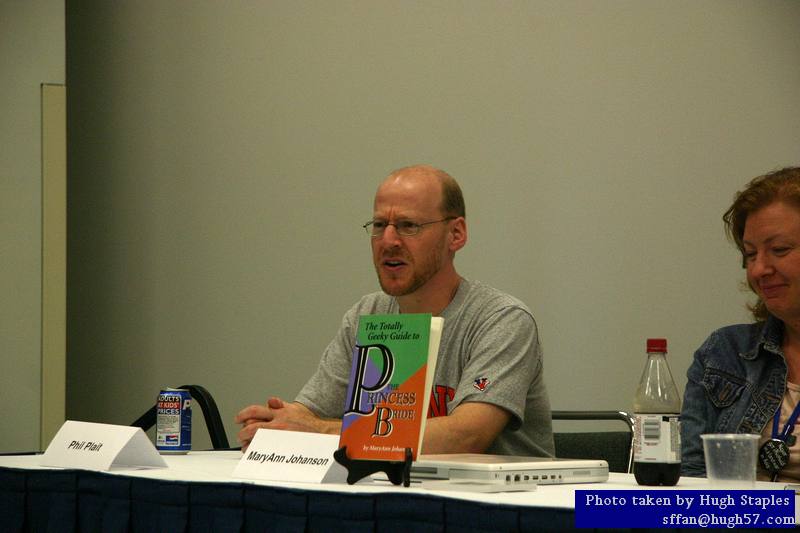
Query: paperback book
x,y
394,360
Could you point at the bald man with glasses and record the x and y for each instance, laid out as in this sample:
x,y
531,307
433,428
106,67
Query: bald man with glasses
x,y
488,393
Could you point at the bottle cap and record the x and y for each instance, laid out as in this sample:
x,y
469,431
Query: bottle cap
x,y
657,345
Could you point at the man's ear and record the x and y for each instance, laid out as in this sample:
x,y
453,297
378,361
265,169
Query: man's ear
x,y
458,234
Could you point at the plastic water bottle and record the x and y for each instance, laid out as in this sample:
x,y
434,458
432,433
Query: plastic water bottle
x,y
656,408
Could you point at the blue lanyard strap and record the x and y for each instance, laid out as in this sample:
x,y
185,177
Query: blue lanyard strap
x,y
789,427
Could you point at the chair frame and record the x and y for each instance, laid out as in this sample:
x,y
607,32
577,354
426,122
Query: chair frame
x,y
622,416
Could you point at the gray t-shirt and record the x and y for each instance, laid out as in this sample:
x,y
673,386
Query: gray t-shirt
x,y
489,352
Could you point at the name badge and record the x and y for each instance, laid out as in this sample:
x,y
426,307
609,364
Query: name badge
x,y
91,446
277,455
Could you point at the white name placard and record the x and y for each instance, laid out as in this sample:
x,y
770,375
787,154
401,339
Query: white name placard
x,y
291,456
92,446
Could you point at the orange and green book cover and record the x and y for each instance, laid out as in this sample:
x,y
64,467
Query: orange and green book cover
x,y
394,361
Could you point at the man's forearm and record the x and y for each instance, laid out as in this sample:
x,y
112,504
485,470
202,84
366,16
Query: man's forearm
x,y
443,436
329,426
470,428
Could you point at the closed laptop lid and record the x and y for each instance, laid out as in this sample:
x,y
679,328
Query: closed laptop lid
x,y
504,467
484,461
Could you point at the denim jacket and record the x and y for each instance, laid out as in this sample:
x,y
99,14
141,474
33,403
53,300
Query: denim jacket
x,y
735,384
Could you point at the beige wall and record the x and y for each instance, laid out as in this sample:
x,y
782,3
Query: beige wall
x,y
32,52
223,155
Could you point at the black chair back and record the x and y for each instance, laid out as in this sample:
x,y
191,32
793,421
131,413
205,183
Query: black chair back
x,y
615,447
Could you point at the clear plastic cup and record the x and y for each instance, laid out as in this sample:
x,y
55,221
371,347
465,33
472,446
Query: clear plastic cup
x,y
731,459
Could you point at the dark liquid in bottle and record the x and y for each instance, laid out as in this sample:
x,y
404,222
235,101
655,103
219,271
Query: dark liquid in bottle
x,y
666,474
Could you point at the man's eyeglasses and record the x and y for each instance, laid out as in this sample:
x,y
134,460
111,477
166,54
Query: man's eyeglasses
x,y
406,228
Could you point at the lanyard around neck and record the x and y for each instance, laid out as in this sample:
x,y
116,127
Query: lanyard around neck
x,y
789,427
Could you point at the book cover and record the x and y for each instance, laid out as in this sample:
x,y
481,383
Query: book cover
x,y
394,360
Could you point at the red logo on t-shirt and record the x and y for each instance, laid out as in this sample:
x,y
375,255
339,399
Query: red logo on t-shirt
x,y
440,397
480,384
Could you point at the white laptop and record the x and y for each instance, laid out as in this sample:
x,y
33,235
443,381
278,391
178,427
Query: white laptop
x,y
509,469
